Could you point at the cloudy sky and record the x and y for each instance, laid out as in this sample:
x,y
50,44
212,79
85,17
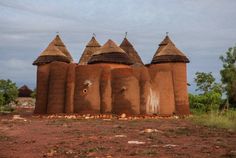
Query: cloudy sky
x,y
203,29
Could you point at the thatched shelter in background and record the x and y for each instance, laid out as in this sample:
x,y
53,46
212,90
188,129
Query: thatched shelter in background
x,y
129,49
111,53
167,52
90,49
24,91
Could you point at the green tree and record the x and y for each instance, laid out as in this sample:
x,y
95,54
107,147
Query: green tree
x,y
8,91
228,74
211,93
206,83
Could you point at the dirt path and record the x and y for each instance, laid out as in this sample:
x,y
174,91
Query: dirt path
x,y
34,137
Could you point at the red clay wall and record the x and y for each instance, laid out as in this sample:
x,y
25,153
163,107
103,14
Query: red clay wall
x,y
180,88
70,89
125,91
87,93
57,87
117,88
162,88
42,89
142,74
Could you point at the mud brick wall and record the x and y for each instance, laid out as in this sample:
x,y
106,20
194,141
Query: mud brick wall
x,y
180,88
105,89
142,74
57,87
87,93
162,86
116,88
125,91
42,89
70,89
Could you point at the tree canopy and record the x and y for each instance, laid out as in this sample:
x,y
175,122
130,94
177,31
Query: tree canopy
x,y
228,74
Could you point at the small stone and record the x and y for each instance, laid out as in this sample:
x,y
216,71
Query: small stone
x,y
123,115
120,136
135,142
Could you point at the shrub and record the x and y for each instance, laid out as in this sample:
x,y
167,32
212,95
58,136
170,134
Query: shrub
x,y
8,92
205,102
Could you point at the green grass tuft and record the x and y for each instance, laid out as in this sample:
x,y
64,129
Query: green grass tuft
x,y
226,120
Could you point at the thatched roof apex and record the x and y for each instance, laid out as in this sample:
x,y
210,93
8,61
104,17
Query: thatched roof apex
x,y
89,51
93,43
50,54
110,47
110,53
126,43
167,52
166,41
129,49
52,50
61,46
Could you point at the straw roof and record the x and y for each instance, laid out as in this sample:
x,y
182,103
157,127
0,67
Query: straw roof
x,y
50,54
110,53
24,91
61,46
167,52
132,53
91,47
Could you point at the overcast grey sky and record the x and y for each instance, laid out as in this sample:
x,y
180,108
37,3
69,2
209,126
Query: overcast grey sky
x,y
202,29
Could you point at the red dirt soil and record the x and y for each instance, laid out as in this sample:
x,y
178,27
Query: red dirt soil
x,y
46,136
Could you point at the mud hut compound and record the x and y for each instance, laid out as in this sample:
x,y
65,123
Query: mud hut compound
x,y
111,79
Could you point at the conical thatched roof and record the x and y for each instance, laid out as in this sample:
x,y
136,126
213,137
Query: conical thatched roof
x,y
50,54
61,46
90,49
129,49
110,53
167,52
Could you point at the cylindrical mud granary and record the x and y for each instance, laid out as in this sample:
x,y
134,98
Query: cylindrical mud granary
x,y
125,92
43,72
55,51
87,93
57,87
168,54
180,88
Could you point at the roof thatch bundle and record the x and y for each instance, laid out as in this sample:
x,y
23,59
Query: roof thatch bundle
x,y
61,46
90,49
56,51
110,53
129,49
24,91
50,54
167,52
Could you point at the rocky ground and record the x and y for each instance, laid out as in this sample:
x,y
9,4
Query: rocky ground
x,y
31,136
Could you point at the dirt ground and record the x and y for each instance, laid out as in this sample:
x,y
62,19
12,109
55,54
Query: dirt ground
x,y
32,136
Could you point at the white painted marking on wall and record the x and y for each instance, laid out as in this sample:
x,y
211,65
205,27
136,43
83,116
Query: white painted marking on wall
x,y
88,83
152,106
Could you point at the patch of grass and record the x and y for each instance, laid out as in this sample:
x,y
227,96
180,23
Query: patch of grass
x,y
6,109
4,138
226,120
150,152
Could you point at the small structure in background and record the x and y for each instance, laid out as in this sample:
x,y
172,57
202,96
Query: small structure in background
x,y
24,91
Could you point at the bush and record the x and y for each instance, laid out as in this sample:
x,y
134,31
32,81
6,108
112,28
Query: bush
x,y
8,92
205,102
